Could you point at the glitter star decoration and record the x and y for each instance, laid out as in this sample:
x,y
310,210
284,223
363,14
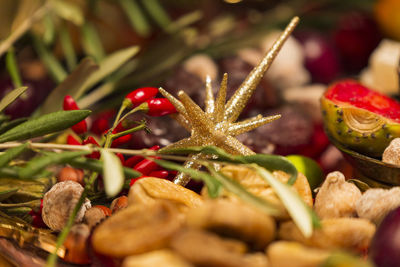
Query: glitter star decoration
x,y
217,125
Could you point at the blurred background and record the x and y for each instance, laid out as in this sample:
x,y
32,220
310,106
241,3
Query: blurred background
x,y
181,42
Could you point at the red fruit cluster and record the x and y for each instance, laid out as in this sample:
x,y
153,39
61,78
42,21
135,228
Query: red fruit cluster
x,y
37,217
70,104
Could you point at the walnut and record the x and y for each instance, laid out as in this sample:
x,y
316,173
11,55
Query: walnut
x,y
288,254
376,203
60,201
336,233
392,152
336,197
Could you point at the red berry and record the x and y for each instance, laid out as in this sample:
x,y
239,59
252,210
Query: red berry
x,y
140,95
91,140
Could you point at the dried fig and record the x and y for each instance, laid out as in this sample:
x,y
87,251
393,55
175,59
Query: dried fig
x,y
289,254
337,233
336,197
236,220
376,203
149,190
207,249
137,229
164,258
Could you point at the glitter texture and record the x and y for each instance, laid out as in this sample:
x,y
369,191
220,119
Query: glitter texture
x,y
216,125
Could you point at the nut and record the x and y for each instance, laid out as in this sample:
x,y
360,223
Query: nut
x,y
149,190
336,197
336,233
119,203
137,229
76,245
70,174
288,254
164,257
376,203
202,66
234,219
60,201
392,152
95,215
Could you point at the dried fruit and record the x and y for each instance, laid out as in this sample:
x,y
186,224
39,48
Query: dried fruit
x,y
359,118
336,197
59,202
137,229
338,233
235,220
164,257
150,190
376,203
392,152
288,254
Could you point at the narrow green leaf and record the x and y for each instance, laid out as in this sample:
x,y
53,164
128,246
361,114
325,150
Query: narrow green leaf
x,y
184,21
12,153
295,206
213,186
113,175
50,31
9,172
37,164
136,18
11,97
97,166
240,191
3,119
107,66
157,12
7,193
68,11
50,61
70,86
91,42
11,124
45,124
67,47
12,68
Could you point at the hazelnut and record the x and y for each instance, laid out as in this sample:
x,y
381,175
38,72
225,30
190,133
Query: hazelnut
x,y
70,174
95,215
76,245
119,203
60,201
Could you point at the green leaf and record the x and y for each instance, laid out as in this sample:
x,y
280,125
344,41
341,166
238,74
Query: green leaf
x,y
107,66
12,153
157,12
240,191
67,47
49,60
11,124
70,86
50,31
45,124
136,18
213,185
113,175
91,42
36,165
7,193
295,206
68,11
11,97
12,68
97,166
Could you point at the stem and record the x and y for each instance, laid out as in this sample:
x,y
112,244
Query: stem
x,y
31,204
132,130
52,259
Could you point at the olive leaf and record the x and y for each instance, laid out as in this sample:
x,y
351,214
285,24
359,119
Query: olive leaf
x,y
37,164
7,193
45,124
136,18
113,175
298,210
97,166
68,11
12,153
70,86
12,68
11,97
107,66
11,124
91,42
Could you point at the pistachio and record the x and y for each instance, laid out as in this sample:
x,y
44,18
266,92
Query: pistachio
x,y
337,233
137,229
236,220
336,197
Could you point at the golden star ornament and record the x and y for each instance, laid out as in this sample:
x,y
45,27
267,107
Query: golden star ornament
x,y
217,125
